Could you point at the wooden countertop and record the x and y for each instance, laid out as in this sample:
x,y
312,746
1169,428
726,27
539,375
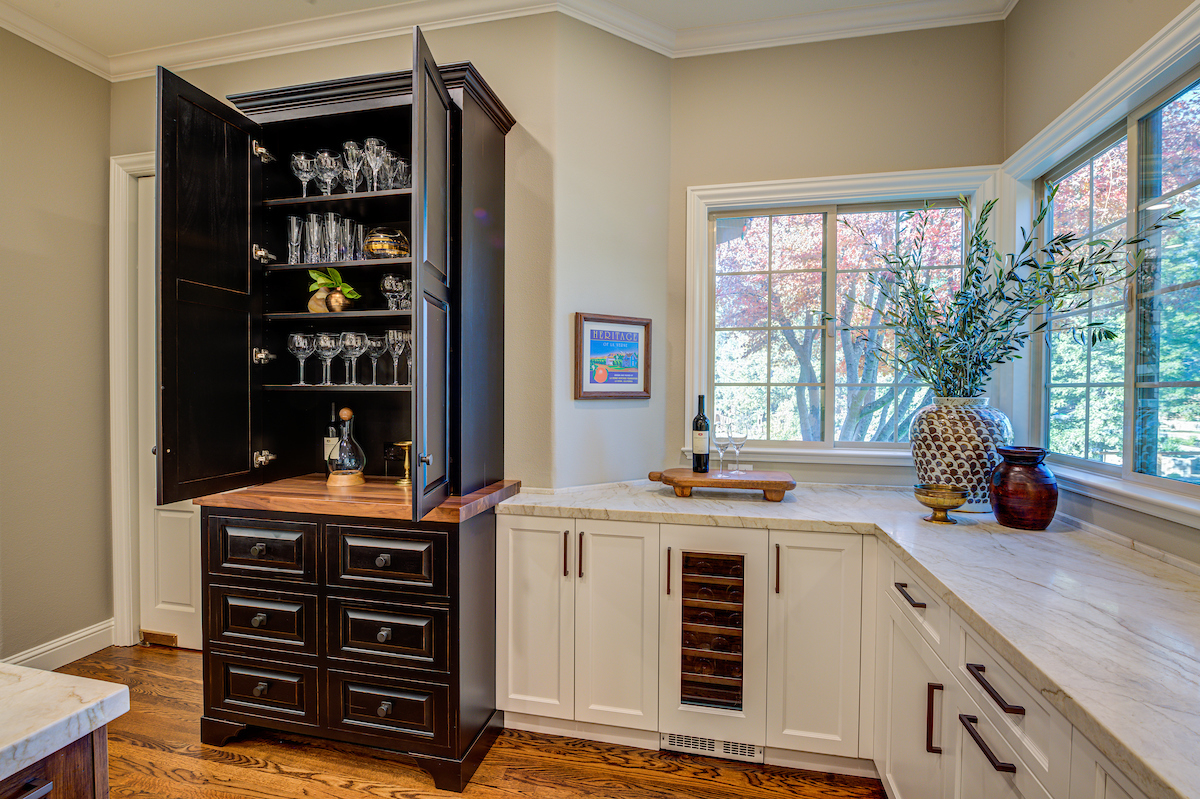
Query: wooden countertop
x,y
378,498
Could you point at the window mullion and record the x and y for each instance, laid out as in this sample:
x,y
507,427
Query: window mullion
x,y
828,340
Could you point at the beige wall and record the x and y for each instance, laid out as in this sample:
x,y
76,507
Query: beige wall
x,y
1057,50
916,100
54,510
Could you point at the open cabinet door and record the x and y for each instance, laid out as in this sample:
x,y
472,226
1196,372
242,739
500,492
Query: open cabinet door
x,y
207,187
431,269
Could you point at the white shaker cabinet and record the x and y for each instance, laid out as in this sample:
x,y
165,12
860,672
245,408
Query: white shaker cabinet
x,y
577,620
814,611
1093,776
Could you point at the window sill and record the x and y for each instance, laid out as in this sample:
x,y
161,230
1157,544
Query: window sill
x,y
1169,505
848,455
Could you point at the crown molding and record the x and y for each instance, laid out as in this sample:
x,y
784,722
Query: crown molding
x,y
47,38
623,23
847,23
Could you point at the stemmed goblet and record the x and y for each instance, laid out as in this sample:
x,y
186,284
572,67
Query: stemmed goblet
x,y
304,166
373,150
388,170
301,345
376,347
353,346
352,154
398,342
722,444
391,290
350,179
737,437
328,346
329,166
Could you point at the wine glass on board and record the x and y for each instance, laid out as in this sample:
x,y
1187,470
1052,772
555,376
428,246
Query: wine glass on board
x,y
376,347
737,433
301,345
373,150
721,443
328,346
304,167
353,346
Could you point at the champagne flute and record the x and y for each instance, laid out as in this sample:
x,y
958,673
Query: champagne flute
x,y
328,346
737,437
390,163
352,154
722,444
304,166
301,345
353,346
373,150
376,347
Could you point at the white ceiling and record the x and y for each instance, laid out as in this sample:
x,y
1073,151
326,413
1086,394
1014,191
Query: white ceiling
x,y
123,39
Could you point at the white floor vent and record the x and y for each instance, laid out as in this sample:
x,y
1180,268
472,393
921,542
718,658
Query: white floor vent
x,y
693,744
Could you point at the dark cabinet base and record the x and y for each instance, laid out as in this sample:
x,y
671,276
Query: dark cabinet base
x,y
77,771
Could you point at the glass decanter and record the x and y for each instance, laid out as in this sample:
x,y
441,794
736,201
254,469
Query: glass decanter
x,y
347,457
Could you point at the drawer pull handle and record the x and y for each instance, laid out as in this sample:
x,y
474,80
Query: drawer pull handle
x,y
668,571
383,561
385,710
260,689
384,635
904,593
969,722
929,747
977,671
566,539
259,620
35,789
258,550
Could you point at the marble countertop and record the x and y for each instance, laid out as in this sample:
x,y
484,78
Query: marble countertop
x,y
1109,636
42,711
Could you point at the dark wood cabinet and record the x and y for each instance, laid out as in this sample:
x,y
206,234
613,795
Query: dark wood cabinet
x,y
369,618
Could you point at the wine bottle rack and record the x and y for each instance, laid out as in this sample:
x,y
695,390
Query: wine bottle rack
x,y
711,663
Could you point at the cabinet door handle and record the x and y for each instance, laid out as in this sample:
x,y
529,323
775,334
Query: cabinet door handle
x,y
35,789
969,722
261,689
258,550
383,561
668,571
259,620
976,671
777,568
384,635
929,747
385,710
580,554
566,544
901,588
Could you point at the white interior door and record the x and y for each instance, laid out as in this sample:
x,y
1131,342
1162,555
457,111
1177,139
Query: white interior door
x,y
168,535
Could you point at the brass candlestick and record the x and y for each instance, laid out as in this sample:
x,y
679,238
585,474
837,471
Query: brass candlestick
x,y
406,480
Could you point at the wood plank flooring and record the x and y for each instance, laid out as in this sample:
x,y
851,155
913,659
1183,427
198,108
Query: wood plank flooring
x,y
155,751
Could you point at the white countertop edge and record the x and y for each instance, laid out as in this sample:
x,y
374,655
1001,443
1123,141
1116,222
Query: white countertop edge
x,y
42,711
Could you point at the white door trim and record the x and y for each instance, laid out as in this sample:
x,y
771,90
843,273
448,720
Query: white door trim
x,y
124,171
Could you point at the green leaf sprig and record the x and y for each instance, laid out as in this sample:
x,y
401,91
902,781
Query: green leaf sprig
x,y
331,280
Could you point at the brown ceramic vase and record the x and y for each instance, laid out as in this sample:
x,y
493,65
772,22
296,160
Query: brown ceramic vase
x,y
1023,491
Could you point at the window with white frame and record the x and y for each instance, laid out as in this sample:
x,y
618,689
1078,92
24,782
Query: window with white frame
x,y
1134,403
795,323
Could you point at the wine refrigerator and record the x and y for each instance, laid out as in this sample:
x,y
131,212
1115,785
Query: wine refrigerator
x,y
713,667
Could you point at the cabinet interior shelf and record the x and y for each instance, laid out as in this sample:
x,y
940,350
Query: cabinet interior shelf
x,y
338,264
711,604
334,199
301,315
711,653
339,387
713,579
713,679
715,629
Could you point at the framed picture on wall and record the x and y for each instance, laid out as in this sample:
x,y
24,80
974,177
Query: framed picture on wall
x,y
612,357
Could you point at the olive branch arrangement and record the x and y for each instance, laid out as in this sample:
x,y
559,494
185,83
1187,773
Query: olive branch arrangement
x,y
954,346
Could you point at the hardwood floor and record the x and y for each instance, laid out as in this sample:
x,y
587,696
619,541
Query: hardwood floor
x,y
155,751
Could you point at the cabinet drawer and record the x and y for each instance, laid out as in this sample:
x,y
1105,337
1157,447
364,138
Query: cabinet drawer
x,y
395,560
268,619
409,636
388,708
263,688
1038,733
926,610
263,548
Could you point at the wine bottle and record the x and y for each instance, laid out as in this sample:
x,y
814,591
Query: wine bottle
x,y
700,440
332,436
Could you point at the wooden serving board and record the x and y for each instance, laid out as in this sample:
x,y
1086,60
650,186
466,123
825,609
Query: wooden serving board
x,y
773,484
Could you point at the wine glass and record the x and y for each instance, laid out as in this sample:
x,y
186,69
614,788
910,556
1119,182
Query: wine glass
x,y
373,150
304,166
353,346
388,171
328,346
722,444
350,178
403,175
352,154
329,164
737,437
391,290
301,345
398,341
376,347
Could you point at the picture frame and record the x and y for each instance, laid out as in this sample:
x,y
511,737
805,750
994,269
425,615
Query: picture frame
x,y
612,357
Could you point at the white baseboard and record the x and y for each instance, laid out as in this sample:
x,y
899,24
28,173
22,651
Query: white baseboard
x,y
830,764
71,647
643,739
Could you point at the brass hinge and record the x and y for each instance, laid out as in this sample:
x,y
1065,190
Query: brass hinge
x,y
260,254
261,152
261,459
260,356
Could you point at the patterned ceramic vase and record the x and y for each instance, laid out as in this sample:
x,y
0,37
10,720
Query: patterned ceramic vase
x,y
954,443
